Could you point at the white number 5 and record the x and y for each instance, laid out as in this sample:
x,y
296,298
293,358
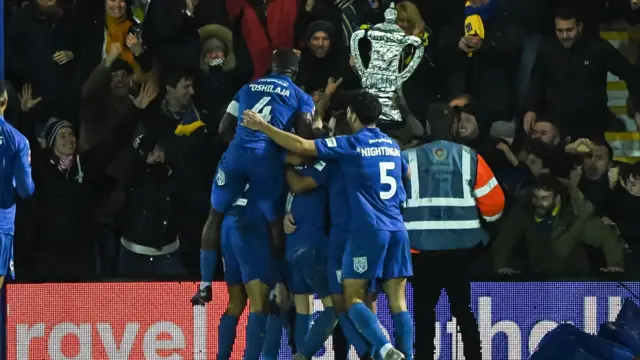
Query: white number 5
x,y
388,180
264,111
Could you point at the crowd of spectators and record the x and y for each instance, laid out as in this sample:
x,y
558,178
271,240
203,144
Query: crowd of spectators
x,y
121,101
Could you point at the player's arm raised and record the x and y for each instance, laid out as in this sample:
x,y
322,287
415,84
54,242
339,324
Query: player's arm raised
x,y
309,123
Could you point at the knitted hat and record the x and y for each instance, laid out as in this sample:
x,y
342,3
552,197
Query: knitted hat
x,y
51,130
320,25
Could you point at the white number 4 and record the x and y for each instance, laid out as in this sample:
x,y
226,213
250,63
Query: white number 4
x,y
388,180
264,111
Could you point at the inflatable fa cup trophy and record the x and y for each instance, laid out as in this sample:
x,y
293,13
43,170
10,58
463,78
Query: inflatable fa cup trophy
x,y
382,78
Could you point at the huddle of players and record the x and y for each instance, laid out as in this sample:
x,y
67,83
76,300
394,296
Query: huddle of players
x,y
361,174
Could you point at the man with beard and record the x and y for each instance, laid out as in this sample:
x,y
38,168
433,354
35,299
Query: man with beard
x,y
319,59
598,176
569,79
557,224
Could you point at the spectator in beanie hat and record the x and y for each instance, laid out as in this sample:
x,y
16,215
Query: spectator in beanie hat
x,y
70,185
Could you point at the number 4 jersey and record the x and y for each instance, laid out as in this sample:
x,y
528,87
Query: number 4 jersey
x,y
277,99
373,169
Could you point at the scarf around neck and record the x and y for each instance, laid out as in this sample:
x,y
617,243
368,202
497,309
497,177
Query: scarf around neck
x,y
117,30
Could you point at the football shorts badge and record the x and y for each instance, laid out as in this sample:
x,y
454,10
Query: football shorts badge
x,y
360,264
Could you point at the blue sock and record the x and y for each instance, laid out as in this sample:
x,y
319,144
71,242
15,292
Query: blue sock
x,y
367,323
273,337
320,331
208,262
354,337
404,333
255,335
303,322
376,354
226,336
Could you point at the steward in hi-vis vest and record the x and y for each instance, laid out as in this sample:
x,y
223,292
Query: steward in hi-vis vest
x,y
450,190
450,193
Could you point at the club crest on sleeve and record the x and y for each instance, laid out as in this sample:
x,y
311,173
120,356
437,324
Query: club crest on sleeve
x,y
320,165
221,178
331,142
360,264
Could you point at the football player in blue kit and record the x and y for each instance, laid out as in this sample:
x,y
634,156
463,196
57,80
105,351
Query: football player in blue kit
x,y
306,253
378,245
15,175
339,216
245,233
253,158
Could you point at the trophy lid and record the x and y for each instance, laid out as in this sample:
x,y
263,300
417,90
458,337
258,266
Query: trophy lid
x,y
389,24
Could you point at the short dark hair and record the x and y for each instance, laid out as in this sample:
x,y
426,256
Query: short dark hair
x,y
440,118
544,152
171,76
549,182
285,61
567,12
553,121
601,141
366,106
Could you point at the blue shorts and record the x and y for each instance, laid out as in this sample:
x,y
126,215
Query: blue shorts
x,y
264,171
307,268
246,255
337,244
377,254
6,256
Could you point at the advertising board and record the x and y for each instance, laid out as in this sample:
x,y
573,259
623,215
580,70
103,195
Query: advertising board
x,y
154,320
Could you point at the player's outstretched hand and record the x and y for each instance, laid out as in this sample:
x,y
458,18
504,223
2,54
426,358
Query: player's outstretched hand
x,y
252,120
202,297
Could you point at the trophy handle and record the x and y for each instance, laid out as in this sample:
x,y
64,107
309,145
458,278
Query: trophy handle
x,y
355,51
415,61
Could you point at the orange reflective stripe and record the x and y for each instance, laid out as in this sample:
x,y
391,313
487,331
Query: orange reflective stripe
x,y
489,195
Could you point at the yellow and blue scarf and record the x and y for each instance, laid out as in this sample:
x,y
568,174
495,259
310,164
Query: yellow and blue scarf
x,y
475,17
189,119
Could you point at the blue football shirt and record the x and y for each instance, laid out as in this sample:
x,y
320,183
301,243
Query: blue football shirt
x,y
310,209
338,199
373,169
15,173
277,99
